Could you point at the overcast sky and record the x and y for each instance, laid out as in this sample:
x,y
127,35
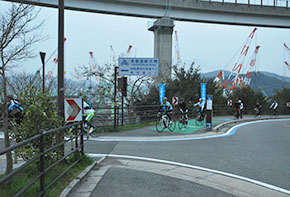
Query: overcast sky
x,y
210,46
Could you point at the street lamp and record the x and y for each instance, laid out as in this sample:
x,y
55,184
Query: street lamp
x,y
42,57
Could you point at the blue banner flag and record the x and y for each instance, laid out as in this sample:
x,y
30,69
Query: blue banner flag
x,y
161,91
203,92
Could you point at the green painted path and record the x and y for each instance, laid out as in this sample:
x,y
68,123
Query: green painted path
x,y
191,127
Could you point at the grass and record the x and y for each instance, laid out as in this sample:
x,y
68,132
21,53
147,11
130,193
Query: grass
x,y
27,174
129,127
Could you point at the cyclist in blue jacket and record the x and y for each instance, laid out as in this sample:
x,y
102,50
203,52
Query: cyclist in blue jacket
x,y
166,107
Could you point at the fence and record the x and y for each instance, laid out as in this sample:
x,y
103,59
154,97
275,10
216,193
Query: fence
x,y
43,151
142,114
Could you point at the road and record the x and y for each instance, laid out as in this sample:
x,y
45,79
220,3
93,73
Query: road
x,y
258,151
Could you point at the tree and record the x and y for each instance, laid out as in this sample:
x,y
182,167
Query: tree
x,y
40,114
282,97
104,85
211,88
185,83
18,34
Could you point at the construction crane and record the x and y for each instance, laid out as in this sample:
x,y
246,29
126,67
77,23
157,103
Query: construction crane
x,y
251,68
234,79
286,61
177,51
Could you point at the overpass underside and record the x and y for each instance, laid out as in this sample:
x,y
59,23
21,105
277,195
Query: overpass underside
x,y
265,13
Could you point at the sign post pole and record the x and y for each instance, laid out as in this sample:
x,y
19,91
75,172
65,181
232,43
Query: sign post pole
x,y
209,112
115,94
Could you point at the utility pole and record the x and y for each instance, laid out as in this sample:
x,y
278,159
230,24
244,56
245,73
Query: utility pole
x,y
42,57
115,95
60,73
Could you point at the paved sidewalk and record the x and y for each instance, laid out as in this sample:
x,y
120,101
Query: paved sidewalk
x,y
128,177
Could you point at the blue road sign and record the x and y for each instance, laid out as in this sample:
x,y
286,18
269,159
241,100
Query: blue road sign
x,y
138,66
209,103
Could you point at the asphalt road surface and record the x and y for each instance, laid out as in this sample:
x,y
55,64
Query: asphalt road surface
x,y
259,151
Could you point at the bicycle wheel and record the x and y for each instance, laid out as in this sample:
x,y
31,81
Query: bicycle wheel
x,y
181,124
172,125
197,122
159,126
96,128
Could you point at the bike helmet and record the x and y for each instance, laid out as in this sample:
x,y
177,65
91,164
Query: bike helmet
x,y
164,99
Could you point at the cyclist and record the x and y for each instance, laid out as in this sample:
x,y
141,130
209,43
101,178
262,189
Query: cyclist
x,y
89,112
14,109
258,108
201,108
183,110
166,107
241,108
237,109
274,107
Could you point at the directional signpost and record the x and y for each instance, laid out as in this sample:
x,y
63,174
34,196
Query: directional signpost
x,y
138,66
73,109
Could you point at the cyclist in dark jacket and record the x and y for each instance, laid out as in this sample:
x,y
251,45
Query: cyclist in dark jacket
x,y
183,109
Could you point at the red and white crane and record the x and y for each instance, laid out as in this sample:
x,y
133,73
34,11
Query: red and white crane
x,y
177,51
234,79
251,68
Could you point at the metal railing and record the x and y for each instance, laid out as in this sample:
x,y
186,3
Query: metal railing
x,y
269,3
40,157
148,113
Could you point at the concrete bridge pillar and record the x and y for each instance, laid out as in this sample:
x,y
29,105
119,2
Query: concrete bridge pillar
x,y
162,29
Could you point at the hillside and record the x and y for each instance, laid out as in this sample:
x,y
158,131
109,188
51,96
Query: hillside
x,y
267,82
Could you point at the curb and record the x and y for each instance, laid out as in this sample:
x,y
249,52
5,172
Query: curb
x,y
76,182
222,125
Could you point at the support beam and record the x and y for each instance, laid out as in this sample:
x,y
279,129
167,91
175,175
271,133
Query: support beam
x,y
163,29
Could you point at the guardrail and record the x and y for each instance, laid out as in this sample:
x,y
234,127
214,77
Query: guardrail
x,y
79,147
261,3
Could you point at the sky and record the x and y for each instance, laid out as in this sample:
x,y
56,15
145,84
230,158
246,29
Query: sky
x,y
210,46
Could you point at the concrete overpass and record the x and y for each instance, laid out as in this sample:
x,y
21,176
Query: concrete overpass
x,y
264,13
236,13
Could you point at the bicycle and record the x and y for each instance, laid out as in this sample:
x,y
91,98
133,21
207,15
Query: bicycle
x,y
273,113
257,113
164,123
182,123
199,120
94,127
237,113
